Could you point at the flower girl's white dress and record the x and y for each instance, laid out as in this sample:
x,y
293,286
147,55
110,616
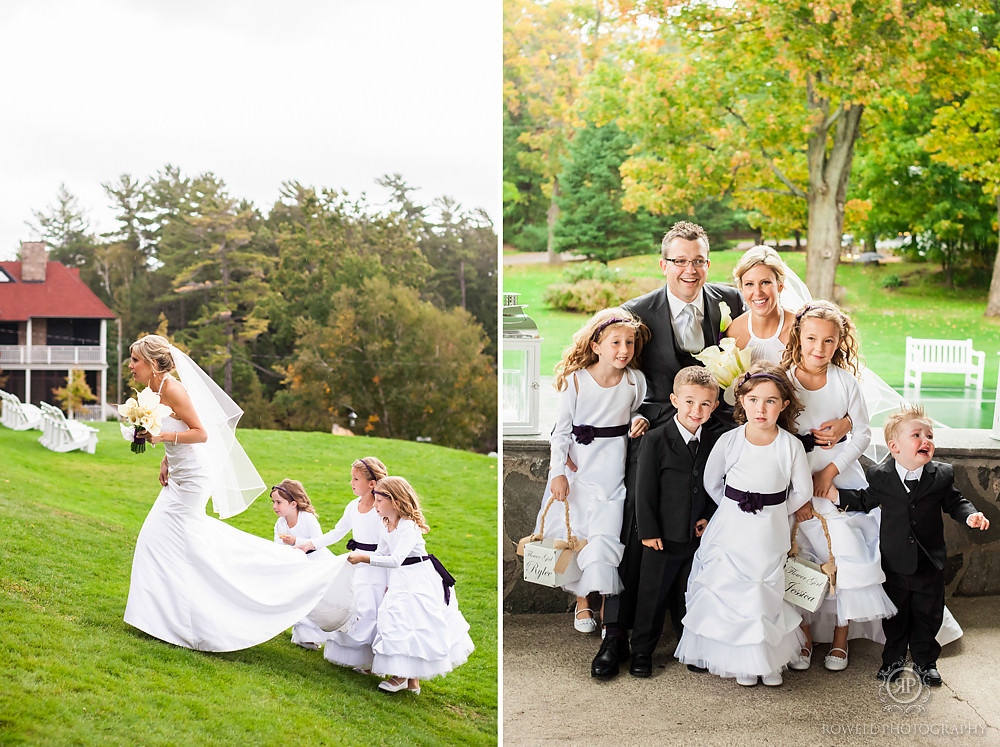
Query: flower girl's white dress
x,y
352,646
418,633
737,622
200,583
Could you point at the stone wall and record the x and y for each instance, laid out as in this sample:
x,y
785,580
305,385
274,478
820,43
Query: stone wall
x,y
973,557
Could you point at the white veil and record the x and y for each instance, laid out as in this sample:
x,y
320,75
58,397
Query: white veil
x,y
879,397
233,481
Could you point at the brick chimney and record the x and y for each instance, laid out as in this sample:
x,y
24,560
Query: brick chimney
x,y
33,261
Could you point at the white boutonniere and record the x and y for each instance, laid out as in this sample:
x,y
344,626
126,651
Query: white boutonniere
x,y
727,316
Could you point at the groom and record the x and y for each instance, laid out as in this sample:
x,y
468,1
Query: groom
x,y
683,318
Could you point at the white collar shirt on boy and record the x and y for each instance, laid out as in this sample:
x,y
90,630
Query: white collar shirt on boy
x,y
905,474
685,433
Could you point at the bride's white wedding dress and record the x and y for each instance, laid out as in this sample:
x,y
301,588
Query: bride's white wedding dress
x,y
198,582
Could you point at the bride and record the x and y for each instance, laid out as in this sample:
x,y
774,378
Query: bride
x,y
196,581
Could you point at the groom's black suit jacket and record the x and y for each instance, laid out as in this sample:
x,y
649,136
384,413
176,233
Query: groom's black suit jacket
x,y
662,357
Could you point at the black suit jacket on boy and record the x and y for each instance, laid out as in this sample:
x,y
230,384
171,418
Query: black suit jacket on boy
x,y
662,357
911,522
670,494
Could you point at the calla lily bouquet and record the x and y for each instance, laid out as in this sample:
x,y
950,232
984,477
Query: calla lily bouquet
x,y
142,413
726,363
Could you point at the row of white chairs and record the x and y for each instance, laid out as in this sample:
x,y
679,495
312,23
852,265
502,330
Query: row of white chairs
x,y
58,433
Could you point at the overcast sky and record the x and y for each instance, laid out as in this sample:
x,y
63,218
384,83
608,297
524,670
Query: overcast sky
x,y
331,93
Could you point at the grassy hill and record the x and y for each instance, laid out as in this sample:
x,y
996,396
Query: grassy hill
x,y
74,673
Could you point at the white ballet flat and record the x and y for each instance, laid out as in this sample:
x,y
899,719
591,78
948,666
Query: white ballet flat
x,y
586,625
746,680
835,663
772,680
802,661
395,684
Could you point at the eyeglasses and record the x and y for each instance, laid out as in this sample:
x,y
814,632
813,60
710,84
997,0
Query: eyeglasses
x,y
683,263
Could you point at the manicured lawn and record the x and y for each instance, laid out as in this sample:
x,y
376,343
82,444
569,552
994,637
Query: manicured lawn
x,y
884,316
74,673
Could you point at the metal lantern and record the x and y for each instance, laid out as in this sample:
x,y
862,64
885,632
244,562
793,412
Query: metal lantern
x,y
521,365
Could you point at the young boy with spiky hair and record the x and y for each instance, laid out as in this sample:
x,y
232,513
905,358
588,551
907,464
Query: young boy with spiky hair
x,y
913,490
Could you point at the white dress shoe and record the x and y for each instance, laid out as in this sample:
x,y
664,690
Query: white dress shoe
x,y
395,684
802,661
587,624
746,680
835,663
772,680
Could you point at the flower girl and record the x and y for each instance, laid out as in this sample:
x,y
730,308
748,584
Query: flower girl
x,y
352,647
296,522
600,394
821,359
737,622
420,632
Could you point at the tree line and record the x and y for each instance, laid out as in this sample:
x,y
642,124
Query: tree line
x,y
799,118
324,311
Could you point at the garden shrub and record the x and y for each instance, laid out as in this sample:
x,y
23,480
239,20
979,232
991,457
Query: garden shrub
x,y
590,295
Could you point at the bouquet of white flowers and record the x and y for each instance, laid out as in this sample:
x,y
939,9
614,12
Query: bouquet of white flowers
x,y
726,363
143,413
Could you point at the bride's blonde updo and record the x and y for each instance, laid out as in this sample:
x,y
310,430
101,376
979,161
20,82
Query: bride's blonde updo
x,y
155,350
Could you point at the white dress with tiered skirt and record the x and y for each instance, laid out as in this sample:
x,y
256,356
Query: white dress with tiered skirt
x,y
352,646
858,599
597,488
737,622
199,583
418,633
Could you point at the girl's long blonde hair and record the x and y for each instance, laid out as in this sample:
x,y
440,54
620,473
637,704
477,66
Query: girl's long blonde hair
x,y
404,499
845,357
370,468
581,354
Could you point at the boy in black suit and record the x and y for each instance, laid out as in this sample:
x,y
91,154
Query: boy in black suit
x,y
913,491
672,508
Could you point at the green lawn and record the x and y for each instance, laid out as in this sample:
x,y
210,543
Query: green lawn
x,y
884,317
74,673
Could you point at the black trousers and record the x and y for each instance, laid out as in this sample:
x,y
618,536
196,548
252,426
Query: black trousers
x,y
619,610
663,581
919,597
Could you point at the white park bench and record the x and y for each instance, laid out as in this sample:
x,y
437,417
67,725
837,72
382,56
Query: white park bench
x,y
943,356
60,434
18,415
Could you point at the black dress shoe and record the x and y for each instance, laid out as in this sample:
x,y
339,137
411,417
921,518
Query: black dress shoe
x,y
614,649
928,674
697,669
891,672
641,666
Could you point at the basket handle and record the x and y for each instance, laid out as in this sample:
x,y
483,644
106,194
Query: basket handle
x,y
830,566
541,529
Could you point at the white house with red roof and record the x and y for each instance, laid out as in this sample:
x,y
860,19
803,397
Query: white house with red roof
x,y
51,323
